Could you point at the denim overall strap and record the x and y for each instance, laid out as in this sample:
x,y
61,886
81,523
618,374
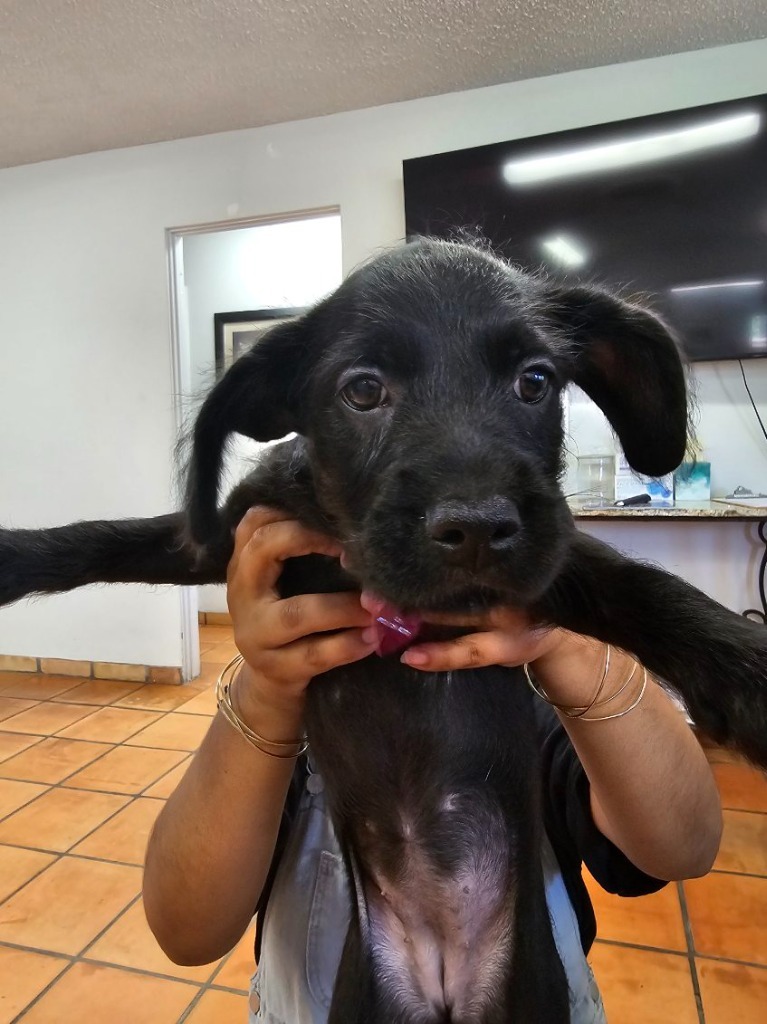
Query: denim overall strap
x,y
307,918
585,1000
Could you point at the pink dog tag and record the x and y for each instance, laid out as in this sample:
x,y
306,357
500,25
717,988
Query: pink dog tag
x,y
395,631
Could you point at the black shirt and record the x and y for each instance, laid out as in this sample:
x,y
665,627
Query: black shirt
x,y
575,838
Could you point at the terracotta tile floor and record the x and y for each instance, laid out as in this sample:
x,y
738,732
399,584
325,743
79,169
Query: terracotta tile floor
x,y
84,769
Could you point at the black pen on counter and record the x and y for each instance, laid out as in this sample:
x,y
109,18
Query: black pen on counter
x,y
635,499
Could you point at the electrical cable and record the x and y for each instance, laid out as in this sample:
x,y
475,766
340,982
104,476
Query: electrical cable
x,y
748,392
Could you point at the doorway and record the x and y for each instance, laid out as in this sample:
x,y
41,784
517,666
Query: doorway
x,y
217,272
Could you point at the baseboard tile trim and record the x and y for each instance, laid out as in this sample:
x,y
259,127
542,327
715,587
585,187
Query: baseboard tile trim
x,y
103,670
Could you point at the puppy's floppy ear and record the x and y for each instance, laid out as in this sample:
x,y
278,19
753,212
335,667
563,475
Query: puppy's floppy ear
x,y
628,361
259,397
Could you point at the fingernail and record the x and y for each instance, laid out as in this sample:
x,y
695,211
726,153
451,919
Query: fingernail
x,y
369,635
414,658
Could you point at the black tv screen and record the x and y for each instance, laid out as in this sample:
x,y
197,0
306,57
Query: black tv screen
x,y
672,207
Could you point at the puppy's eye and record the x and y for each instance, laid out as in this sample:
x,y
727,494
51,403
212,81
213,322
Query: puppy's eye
x,y
532,385
364,393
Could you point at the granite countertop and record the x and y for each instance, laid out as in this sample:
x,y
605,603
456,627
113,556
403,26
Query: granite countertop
x,y
716,509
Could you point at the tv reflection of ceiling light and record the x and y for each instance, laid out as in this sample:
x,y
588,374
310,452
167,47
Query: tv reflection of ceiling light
x,y
717,284
613,156
564,251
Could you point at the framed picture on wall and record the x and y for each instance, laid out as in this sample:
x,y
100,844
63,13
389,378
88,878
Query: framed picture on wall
x,y
236,332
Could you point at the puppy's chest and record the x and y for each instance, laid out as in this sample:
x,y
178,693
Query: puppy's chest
x,y
439,892
432,798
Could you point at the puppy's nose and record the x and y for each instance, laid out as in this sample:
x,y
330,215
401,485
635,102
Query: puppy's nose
x,y
469,533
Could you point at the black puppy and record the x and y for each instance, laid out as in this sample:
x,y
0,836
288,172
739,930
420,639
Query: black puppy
x,y
425,394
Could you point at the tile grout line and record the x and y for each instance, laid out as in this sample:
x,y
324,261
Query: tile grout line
x,y
743,810
120,914
66,783
691,953
31,878
39,797
122,743
736,874
54,981
76,958
680,953
96,708
622,944
730,960
82,957
193,1005
107,792
38,740
58,855
76,789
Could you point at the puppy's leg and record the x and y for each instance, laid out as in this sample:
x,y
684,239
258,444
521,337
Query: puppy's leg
x,y
154,550
715,659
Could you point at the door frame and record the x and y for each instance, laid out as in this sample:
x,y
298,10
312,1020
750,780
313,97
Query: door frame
x,y
181,382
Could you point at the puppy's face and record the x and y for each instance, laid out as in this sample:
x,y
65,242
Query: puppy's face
x,y
435,437
428,390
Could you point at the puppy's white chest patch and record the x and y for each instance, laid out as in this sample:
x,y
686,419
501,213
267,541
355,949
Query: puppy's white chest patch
x,y
441,940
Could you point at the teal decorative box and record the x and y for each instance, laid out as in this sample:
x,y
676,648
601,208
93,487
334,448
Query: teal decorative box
x,y
692,482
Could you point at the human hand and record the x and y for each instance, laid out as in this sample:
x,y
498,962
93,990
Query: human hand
x,y
286,642
565,663
501,636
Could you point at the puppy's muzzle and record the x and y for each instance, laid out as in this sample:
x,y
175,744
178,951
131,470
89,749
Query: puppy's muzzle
x,y
471,535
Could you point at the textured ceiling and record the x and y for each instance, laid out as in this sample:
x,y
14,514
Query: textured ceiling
x,y
84,75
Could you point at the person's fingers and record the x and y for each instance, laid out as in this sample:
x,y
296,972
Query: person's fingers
x,y
255,518
320,653
512,643
294,618
265,544
477,650
503,617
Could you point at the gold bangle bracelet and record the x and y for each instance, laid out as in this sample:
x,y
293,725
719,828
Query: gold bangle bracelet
x,y
623,686
620,714
224,693
580,712
571,711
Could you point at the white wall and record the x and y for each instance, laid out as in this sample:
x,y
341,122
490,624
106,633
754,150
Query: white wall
x,y
268,266
86,426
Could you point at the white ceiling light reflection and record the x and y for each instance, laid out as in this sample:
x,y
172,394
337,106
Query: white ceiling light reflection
x,y
564,251
615,155
716,284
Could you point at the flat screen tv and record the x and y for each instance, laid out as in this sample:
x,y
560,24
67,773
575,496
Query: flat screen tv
x,y
672,207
